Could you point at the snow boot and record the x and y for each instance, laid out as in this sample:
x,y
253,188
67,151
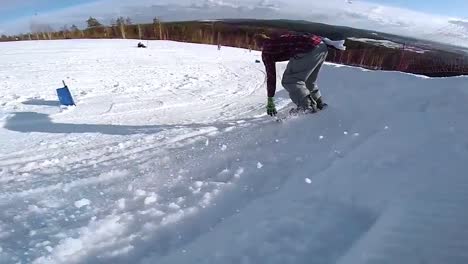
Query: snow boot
x,y
308,106
320,104
311,105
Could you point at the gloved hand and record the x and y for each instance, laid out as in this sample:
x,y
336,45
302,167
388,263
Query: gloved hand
x,y
271,108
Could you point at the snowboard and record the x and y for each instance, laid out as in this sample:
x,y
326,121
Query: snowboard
x,y
294,112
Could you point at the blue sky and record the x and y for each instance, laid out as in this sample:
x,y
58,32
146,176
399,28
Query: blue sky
x,y
10,10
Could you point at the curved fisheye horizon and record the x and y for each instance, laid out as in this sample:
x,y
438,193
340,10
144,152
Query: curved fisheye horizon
x,y
427,21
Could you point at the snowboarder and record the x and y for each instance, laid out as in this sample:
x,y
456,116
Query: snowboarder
x,y
306,54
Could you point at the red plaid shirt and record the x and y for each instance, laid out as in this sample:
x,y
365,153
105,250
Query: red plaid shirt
x,y
282,49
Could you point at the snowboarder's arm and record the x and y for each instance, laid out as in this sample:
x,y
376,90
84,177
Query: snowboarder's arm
x,y
270,67
271,108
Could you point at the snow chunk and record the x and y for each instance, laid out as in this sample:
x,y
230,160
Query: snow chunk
x,y
174,206
206,200
70,246
259,165
173,218
223,147
121,203
42,244
98,235
151,199
36,209
321,137
224,175
239,172
140,192
82,202
345,132
308,181
356,134
224,171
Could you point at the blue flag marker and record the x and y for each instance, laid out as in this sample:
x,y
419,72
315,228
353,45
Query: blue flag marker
x,y
65,96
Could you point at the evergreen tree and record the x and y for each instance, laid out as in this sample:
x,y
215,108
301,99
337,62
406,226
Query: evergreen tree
x,y
93,22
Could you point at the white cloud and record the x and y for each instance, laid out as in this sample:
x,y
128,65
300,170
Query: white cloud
x,y
269,5
213,4
339,12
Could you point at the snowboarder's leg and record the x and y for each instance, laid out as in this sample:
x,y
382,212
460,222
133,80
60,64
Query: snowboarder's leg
x,y
311,82
298,71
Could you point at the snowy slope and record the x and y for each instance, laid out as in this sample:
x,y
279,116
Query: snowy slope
x,y
169,158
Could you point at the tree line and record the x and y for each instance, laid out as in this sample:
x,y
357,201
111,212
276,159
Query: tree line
x,y
431,63
123,27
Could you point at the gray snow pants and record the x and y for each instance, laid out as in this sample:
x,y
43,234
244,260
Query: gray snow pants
x,y
300,76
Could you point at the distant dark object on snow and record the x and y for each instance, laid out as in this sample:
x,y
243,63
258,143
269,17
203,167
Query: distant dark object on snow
x,y
257,61
141,45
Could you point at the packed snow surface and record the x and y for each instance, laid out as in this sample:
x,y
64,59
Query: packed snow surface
x,y
168,157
